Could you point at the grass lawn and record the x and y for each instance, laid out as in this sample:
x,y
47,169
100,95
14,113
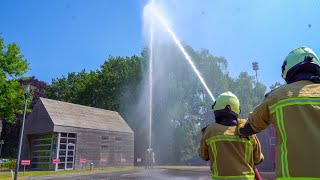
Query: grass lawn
x,y
7,175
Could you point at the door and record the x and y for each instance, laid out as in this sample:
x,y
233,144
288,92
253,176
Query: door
x,y
67,143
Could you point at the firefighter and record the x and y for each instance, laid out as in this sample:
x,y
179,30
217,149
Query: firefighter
x,y
230,156
294,109
150,158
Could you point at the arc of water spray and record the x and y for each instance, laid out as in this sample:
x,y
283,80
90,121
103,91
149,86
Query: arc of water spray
x,y
153,10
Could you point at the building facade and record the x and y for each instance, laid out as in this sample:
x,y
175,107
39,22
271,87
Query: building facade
x,y
76,135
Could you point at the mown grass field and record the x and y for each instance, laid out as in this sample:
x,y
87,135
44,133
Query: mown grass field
x,y
8,175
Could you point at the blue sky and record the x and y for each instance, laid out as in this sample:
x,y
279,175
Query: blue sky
x,y
58,37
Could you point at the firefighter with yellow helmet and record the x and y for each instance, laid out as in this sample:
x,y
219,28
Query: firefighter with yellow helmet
x,y
230,156
295,111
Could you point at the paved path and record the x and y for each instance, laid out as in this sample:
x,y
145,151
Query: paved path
x,y
154,174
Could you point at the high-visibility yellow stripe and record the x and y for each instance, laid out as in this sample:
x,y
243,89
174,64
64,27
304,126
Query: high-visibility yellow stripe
x,y
248,148
228,138
244,177
247,158
293,101
283,157
215,159
286,164
249,151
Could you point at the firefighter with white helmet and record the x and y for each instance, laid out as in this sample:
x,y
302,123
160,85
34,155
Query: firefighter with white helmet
x,y
294,109
230,156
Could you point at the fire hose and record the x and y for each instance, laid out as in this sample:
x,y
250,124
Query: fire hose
x,y
257,174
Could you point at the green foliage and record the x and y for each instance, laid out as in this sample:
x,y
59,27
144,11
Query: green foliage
x,y
275,85
11,130
248,92
8,165
12,67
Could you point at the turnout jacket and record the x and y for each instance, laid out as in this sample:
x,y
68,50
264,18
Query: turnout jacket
x,y
230,155
294,109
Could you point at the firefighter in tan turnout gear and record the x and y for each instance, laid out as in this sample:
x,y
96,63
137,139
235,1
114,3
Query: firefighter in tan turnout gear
x,y
230,156
295,111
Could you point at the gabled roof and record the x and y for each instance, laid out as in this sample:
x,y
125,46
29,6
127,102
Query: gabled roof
x,y
74,115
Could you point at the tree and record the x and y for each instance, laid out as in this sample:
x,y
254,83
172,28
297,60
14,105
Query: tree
x,y
12,67
11,130
73,88
275,85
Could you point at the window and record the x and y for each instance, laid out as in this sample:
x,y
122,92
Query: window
x,y
70,153
104,147
73,141
63,146
118,138
69,165
105,137
71,135
63,140
62,159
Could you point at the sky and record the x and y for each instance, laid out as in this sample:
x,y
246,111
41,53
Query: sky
x,y
57,37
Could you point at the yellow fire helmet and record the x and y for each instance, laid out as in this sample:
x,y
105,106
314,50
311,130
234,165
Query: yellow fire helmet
x,y
227,100
302,58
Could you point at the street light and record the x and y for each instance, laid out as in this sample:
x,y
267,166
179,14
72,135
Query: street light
x,y
255,67
26,96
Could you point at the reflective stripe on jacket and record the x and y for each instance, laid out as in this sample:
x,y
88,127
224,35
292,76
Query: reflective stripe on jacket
x,y
295,111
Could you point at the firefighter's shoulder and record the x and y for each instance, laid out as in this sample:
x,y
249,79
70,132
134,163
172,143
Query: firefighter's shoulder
x,y
203,129
207,127
268,93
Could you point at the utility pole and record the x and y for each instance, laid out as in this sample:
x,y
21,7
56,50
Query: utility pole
x,y
26,96
1,143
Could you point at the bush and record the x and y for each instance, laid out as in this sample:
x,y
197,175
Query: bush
x,y
8,165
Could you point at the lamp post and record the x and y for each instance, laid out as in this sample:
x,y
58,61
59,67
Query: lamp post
x,y
255,67
26,96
